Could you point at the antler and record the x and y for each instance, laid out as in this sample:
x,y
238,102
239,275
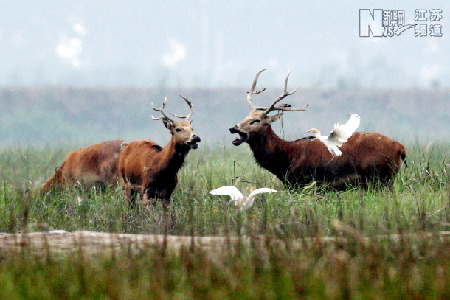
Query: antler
x,y
272,107
252,91
283,107
161,110
166,117
190,112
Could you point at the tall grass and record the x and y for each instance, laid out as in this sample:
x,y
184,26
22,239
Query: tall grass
x,y
419,199
302,266
409,268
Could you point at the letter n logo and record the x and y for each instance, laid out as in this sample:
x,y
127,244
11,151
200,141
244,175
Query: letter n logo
x,y
371,24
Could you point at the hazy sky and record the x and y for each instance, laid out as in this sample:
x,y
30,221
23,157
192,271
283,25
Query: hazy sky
x,y
216,44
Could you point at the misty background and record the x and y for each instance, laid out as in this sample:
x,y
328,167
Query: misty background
x,y
85,71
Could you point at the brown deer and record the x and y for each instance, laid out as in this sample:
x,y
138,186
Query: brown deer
x,y
145,166
366,157
95,165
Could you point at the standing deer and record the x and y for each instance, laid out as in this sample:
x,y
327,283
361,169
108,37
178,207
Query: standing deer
x,y
95,165
146,166
366,157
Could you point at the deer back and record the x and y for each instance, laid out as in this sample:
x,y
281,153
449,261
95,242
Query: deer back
x,y
96,164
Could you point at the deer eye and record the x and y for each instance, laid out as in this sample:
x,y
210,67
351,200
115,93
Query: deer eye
x,y
254,121
178,129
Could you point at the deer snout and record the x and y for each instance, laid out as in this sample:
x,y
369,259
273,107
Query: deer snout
x,y
193,142
243,136
234,129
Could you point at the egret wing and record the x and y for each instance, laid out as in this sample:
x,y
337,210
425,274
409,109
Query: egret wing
x,y
341,133
260,191
249,201
352,124
332,147
228,190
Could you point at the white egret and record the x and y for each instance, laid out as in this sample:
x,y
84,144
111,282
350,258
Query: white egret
x,y
236,196
339,135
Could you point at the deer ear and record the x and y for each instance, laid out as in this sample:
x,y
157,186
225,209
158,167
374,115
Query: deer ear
x,y
275,118
168,124
123,145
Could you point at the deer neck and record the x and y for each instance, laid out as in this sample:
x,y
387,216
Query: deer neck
x,y
270,151
174,154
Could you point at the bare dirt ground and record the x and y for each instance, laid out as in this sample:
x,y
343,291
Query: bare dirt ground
x,y
101,242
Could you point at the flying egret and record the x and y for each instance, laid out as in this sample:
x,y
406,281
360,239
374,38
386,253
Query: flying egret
x,y
236,196
339,135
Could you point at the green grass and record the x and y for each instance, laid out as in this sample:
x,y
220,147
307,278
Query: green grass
x,y
419,199
412,268
381,270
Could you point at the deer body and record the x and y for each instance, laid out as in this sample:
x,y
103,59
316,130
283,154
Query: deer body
x,y
146,166
366,157
95,165
151,170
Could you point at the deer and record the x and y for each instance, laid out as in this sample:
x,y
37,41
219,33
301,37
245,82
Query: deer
x,y
366,157
146,167
95,165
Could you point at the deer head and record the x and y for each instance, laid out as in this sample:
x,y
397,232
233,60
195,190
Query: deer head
x,y
182,131
259,117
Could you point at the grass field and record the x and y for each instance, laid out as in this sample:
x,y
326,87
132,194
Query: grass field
x,y
411,267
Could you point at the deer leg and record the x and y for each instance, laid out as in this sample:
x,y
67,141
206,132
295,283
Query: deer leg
x,y
133,194
130,194
169,217
147,197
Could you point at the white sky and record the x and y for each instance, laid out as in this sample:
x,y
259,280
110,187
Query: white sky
x,y
210,44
